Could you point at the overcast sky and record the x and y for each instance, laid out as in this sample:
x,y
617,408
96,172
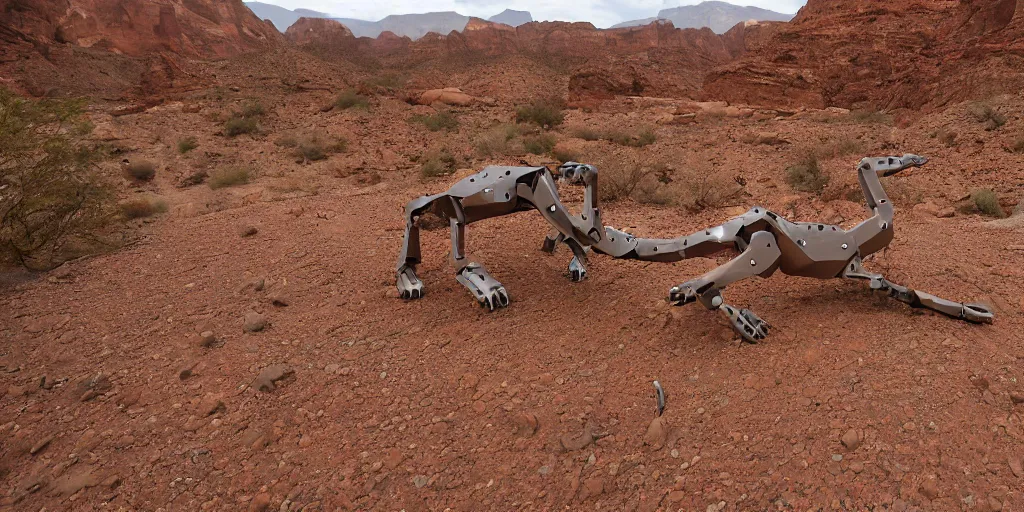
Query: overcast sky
x,y
602,13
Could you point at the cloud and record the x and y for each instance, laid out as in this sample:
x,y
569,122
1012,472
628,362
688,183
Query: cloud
x,y
602,13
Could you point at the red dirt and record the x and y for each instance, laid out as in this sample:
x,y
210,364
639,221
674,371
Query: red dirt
x,y
132,380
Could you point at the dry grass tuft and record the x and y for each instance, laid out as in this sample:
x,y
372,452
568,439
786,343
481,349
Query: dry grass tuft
x,y
987,202
497,141
437,122
546,113
142,208
987,115
437,163
806,175
140,170
351,99
187,144
229,177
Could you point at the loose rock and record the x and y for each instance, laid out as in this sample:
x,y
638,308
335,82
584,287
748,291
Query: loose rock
x,y
254,322
852,439
269,377
657,433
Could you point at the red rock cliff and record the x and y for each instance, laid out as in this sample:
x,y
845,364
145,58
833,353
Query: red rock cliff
x,y
192,28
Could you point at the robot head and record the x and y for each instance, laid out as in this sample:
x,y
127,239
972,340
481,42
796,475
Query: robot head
x,y
911,160
576,173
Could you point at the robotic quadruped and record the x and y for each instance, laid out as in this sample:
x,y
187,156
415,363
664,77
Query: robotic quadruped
x,y
765,241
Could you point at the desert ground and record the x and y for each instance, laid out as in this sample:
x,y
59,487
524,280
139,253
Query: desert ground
x,y
136,379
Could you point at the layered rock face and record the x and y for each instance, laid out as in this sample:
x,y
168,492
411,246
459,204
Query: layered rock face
x,y
318,31
865,54
192,28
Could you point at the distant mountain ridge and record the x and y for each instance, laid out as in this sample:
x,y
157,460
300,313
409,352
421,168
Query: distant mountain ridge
x,y
718,16
512,18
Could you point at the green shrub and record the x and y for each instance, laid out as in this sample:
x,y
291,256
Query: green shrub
x,y
539,144
806,175
987,202
437,122
545,113
351,99
437,163
187,144
54,203
229,177
497,140
141,170
987,115
141,208
236,126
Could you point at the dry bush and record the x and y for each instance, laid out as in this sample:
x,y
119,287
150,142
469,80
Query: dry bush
x,y
187,144
842,147
140,170
546,113
986,114
252,109
497,141
586,133
621,182
564,154
142,208
437,122
197,178
351,99
899,191
870,117
1017,146
312,148
806,175
437,163
646,137
236,126
947,137
987,202
539,144
229,177
54,204
389,81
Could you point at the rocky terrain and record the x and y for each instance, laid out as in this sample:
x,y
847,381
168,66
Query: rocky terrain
x,y
718,16
244,348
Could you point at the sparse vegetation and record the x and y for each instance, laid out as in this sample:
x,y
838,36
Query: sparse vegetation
x,y
870,117
351,99
389,81
142,208
986,114
1017,146
229,177
646,137
546,113
496,141
702,189
437,122
621,181
987,202
437,163
807,175
947,137
585,133
53,202
312,148
196,178
140,170
252,109
539,144
843,147
564,154
187,144
236,126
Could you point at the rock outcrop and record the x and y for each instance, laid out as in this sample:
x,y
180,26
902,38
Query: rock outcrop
x,y
318,31
191,28
864,54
